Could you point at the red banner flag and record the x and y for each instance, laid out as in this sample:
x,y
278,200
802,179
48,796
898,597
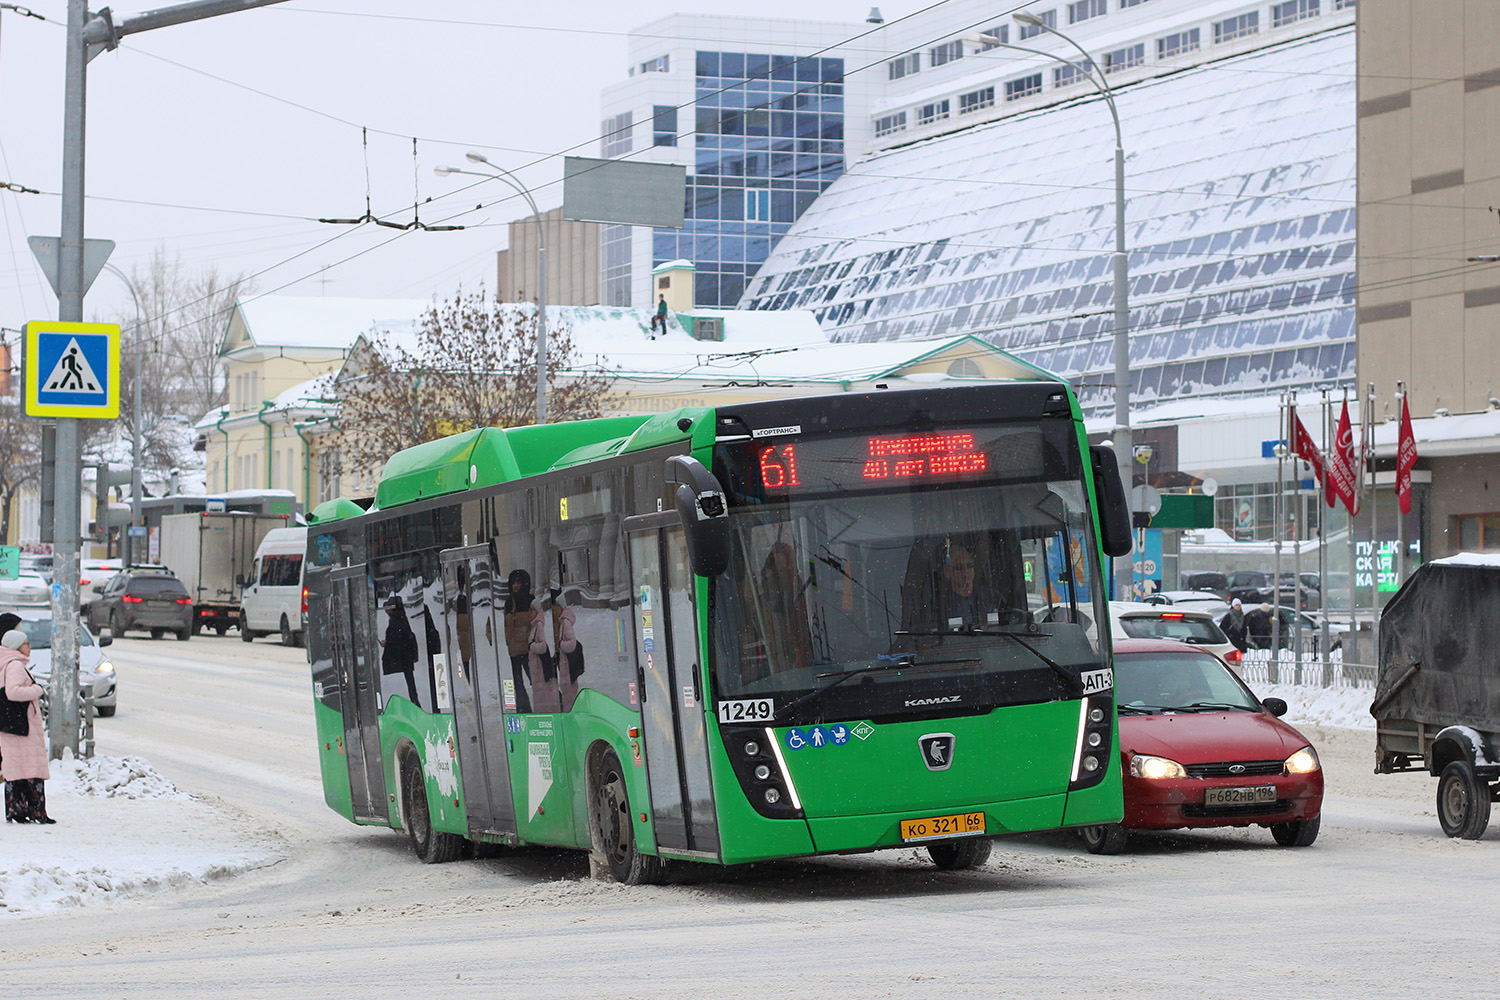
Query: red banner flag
x,y
1406,458
1341,469
1302,446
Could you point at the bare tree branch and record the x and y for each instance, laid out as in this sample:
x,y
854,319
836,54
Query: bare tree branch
x,y
471,364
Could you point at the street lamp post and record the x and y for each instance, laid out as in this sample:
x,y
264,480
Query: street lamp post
x,y
127,551
1124,572
541,280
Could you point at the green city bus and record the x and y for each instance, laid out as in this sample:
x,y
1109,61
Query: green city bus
x,y
793,627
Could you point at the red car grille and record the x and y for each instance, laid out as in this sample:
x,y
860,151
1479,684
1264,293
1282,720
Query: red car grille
x,y
1248,769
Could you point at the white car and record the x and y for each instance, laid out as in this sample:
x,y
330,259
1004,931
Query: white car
x,y
26,591
93,574
96,672
1130,620
1198,600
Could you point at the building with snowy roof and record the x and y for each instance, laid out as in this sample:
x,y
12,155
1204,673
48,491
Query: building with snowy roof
x,y
705,357
275,349
993,215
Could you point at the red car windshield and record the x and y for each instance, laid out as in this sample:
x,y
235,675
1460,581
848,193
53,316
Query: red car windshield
x,y
1148,683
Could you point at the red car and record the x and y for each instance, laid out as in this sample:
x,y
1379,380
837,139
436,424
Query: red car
x,y
1200,750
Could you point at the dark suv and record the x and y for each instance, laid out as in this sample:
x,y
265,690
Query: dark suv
x,y
144,597
1250,586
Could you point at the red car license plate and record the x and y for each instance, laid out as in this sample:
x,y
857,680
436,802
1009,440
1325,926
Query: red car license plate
x,y
1239,795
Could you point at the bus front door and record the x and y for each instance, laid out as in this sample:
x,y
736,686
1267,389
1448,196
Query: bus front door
x,y
673,728
475,644
360,700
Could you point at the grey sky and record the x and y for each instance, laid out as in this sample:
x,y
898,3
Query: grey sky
x,y
260,112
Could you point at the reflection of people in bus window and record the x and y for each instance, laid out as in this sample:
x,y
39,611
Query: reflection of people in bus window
x,y
518,602
789,642
569,652
463,624
434,644
398,653
542,668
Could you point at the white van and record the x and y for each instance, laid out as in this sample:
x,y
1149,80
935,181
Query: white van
x,y
272,598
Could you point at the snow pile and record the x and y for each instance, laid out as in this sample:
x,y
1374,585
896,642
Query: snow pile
x,y
1348,707
122,829
110,777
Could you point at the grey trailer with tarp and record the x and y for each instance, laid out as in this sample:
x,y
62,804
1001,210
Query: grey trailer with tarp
x,y
1437,696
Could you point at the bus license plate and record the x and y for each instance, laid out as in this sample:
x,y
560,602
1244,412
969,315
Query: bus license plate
x,y
1239,796
937,827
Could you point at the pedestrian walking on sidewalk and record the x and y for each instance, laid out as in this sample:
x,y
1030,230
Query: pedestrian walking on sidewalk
x,y
23,758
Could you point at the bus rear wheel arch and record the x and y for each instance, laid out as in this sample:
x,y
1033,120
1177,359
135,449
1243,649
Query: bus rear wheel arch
x,y
611,823
430,846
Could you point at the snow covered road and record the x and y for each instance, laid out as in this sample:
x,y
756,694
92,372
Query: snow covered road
x,y
1382,906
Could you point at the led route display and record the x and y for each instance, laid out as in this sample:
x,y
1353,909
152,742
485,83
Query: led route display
x,y
892,459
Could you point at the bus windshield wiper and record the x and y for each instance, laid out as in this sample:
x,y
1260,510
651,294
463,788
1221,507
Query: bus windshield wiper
x,y
840,676
1070,678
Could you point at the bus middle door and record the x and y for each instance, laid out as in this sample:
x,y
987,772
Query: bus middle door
x,y
673,728
474,639
351,599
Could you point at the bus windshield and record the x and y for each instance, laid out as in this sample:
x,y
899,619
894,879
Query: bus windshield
x,y
848,598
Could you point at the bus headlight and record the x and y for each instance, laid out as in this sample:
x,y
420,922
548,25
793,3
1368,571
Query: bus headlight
x,y
1156,768
1304,761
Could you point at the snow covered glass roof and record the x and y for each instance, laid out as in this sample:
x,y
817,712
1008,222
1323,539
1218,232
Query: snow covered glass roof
x,y
1240,225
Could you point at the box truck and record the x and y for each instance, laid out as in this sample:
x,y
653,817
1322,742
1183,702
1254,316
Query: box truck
x,y
210,553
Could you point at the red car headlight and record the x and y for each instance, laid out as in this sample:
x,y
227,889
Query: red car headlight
x,y
1156,768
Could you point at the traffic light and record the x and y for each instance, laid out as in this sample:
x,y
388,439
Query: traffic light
x,y
107,516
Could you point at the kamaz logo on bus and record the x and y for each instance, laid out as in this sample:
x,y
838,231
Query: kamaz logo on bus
x,y
946,700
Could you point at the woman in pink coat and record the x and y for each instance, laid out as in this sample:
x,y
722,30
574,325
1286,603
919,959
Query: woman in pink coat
x,y
23,759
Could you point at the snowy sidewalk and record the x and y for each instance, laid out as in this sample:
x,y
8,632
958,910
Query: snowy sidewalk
x,y
121,829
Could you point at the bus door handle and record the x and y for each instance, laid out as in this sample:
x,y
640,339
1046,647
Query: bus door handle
x,y
697,686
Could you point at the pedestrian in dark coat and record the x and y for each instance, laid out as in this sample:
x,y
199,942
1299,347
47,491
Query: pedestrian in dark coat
x,y
1258,627
23,759
1233,625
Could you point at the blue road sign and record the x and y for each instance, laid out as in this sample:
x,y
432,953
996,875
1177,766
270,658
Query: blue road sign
x,y
73,370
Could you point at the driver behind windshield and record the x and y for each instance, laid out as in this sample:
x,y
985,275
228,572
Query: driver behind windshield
x,y
953,592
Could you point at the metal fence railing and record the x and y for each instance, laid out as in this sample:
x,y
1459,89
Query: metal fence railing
x,y
1259,667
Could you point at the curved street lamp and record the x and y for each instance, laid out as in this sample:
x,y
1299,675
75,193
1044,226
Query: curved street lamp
x,y
501,174
128,553
1121,437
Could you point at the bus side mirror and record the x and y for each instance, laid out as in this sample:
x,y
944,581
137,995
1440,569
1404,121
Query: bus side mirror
x,y
1114,508
705,514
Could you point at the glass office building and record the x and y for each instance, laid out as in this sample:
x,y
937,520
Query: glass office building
x,y
768,137
1240,179
755,109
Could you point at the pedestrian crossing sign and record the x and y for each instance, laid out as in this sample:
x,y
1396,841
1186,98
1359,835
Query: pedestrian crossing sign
x,y
72,370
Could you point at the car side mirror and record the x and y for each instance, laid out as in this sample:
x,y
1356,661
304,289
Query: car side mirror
x,y
105,638
1275,706
239,579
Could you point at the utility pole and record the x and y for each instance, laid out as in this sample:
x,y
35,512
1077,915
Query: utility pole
x,y
87,36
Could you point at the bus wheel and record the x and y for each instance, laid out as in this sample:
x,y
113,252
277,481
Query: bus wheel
x,y
958,855
616,833
1106,838
431,847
